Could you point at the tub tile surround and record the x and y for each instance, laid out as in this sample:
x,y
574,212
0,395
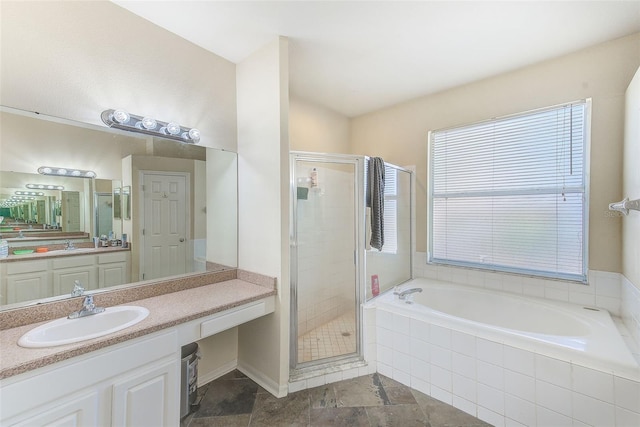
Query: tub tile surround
x,y
170,302
498,383
504,385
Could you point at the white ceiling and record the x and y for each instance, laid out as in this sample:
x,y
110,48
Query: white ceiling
x,y
360,56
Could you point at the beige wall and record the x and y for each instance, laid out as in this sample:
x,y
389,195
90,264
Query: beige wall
x,y
631,183
315,128
263,206
399,133
75,59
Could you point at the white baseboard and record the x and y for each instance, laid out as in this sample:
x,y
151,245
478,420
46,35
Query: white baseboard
x,y
267,383
207,377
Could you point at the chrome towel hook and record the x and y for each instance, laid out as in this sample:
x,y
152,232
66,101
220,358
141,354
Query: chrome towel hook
x,y
625,205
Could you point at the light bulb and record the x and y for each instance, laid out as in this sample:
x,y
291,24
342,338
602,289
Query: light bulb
x,y
149,123
76,173
50,187
41,186
173,128
62,171
90,174
120,116
194,134
46,170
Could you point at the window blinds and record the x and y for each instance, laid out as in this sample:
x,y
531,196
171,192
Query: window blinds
x,y
509,194
390,210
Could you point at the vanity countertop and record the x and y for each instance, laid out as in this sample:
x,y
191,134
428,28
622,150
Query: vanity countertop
x,y
166,310
61,252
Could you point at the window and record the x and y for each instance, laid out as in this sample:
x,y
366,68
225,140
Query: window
x,y
510,194
390,210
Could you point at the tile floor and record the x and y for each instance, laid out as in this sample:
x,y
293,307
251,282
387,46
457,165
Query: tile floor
x,y
334,338
373,400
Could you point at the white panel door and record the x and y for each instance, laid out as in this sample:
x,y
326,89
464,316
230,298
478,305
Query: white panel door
x,y
71,211
165,225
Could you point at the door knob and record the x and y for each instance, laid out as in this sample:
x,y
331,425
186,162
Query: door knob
x,y
181,239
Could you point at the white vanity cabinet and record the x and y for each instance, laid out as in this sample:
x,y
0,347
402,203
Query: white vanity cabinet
x,y
135,383
24,281
130,384
43,278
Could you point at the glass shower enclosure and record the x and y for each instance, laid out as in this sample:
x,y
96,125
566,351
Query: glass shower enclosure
x,y
327,212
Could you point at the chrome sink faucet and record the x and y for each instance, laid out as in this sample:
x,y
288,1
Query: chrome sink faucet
x,y
88,309
70,246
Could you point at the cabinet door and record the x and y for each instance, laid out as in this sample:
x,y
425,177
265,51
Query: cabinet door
x,y
112,274
66,412
147,397
28,286
64,278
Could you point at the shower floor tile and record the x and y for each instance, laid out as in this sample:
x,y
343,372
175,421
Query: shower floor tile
x,y
334,338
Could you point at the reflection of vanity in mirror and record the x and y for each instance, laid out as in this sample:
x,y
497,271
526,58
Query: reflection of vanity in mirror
x,y
156,192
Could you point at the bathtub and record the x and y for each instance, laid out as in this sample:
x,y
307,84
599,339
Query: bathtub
x,y
575,333
505,358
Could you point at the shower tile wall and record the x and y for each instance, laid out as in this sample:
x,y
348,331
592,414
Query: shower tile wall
x,y
326,245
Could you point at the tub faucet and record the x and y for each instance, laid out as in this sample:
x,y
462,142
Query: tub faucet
x,y
403,295
88,309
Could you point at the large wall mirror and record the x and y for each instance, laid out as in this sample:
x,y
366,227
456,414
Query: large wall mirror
x,y
115,201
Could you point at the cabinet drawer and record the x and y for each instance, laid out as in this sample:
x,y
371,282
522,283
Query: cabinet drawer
x,y
26,266
115,257
73,261
229,320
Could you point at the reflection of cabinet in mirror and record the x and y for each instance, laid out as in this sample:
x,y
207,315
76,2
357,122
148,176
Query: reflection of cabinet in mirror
x,y
44,278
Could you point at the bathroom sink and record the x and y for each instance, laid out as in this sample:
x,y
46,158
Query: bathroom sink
x,y
67,331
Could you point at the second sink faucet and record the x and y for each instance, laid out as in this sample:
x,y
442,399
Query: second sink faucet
x,y
70,246
78,289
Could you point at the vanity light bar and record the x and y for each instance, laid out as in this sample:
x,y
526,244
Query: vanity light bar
x,y
21,198
73,173
44,187
120,119
29,193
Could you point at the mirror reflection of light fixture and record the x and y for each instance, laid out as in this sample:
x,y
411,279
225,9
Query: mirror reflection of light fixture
x,y
29,193
73,173
120,119
44,187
